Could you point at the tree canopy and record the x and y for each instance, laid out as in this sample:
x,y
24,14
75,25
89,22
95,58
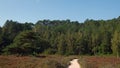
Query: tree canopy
x,y
65,37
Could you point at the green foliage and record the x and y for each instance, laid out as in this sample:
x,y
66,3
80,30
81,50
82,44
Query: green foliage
x,y
61,46
116,43
11,29
1,40
65,37
27,43
50,51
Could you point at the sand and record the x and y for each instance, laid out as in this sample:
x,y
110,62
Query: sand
x,y
74,64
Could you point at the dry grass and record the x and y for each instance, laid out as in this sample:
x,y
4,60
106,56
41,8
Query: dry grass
x,y
57,61
51,61
100,62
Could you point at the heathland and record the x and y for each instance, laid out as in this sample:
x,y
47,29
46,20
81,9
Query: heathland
x,y
91,39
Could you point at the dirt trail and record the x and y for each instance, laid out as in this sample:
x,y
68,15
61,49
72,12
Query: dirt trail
x,y
74,64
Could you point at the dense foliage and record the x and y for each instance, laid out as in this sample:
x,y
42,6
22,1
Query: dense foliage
x,y
65,37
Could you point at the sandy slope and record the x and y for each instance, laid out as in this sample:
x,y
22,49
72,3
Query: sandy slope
x,y
74,64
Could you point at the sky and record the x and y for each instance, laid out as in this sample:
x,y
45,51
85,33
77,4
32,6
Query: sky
x,y
75,10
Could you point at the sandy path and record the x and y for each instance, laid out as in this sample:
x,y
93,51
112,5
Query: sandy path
x,y
74,64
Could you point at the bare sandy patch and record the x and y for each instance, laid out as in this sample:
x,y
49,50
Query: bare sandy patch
x,y
74,64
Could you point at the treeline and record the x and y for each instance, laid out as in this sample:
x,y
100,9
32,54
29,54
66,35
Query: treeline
x,y
64,37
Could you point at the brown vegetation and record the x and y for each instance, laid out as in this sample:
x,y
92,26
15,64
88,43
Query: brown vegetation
x,y
57,61
33,62
100,62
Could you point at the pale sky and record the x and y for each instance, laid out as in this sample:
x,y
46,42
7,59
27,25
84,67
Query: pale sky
x,y
75,10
